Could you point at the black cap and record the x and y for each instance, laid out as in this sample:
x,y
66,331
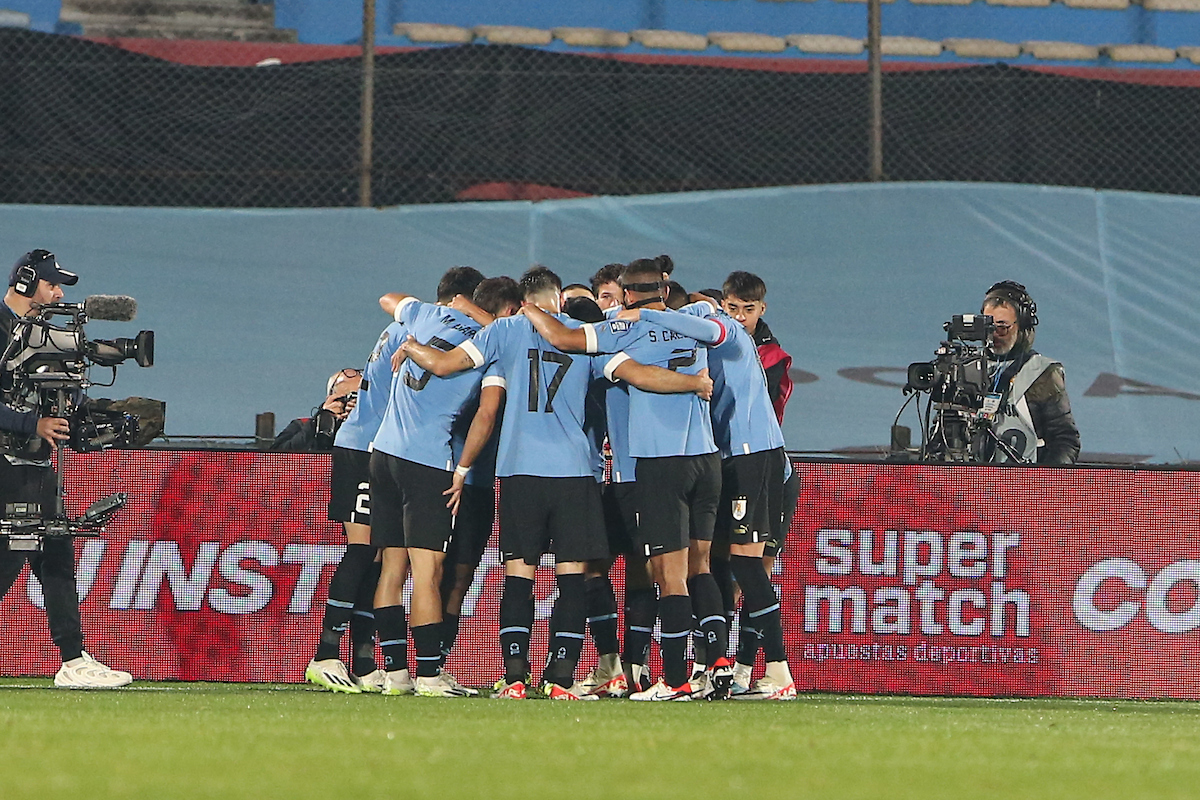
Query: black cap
x,y
45,267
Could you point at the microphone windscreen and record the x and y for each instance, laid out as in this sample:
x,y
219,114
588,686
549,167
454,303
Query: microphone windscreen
x,y
115,307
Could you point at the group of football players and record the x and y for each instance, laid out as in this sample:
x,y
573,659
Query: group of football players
x,y
532,385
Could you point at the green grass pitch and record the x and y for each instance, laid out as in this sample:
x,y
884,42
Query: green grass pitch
x,y
267,741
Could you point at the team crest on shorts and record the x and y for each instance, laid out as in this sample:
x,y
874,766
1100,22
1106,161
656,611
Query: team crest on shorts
x,y
739,508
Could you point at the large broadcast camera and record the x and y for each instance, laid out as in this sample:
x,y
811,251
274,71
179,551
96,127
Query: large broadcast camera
x,y
957,424
47,366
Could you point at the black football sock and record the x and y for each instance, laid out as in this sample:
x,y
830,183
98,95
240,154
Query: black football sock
x,y
428,641
570,618
602,614
362,624
710,616
449,632
641,607
749,638
762,605
393,637
516,618
723,575
675,611
343,591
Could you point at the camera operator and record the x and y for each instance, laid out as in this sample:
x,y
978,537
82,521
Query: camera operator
x,y
1034,413
36,280
315,434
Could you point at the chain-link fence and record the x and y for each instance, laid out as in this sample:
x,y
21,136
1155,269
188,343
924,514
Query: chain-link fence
x,y
87,123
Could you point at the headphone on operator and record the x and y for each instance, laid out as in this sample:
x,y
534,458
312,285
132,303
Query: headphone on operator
x,y
25,276
1015,293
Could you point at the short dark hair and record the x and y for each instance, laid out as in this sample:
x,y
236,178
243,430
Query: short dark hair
x,y
539,279
609,273
745,286
583,286
640,268
583,309
494,294
677,297
458,280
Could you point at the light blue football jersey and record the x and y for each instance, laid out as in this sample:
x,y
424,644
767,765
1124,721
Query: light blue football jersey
x,y
423,407
616,417
365,418
483,470
660,425
744,420
546,397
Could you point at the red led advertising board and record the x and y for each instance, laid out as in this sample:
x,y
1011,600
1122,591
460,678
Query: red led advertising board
x,y
913,579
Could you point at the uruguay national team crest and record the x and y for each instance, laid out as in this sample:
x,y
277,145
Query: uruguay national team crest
x,y
739,508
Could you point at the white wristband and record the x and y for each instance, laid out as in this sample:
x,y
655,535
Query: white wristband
x,y
461,470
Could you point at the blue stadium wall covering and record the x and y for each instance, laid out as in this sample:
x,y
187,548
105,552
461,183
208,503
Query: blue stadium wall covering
x,y
254,309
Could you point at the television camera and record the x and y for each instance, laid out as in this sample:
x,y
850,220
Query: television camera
x,y
47,365
957,424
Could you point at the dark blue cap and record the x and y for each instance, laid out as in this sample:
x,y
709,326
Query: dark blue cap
x,y
45,266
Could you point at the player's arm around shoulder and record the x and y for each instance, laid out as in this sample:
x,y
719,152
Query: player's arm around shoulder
x,y
656,379
439,362
561,337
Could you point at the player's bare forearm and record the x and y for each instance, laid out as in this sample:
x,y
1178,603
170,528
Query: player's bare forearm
x,y
663,381
491,398
440,363
463,303
568,340
390,301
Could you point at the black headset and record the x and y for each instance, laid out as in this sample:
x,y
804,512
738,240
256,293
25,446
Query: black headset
x,y
25,278
1015,294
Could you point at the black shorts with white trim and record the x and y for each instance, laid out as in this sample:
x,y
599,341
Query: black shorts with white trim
x,y
350,486
563,516
751,498
677,499
407,505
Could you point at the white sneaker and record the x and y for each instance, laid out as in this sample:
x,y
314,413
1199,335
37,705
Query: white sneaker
x,y
660,691
454,682
769,689
372,682
86,672
741,678
607,679
575,692
331,674
397,682
438,686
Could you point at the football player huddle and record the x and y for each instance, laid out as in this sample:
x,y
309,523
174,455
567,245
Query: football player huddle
x,y
537,387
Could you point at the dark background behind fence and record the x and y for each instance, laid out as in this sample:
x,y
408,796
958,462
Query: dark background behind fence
x,y
86,123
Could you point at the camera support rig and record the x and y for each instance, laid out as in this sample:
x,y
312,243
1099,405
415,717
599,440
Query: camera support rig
x,y
47,369
958,419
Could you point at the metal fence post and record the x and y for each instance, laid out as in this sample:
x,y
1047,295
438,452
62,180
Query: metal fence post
x,y
368,103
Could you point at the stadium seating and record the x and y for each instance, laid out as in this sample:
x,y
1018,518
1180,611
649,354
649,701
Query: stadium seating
x,y
1087,32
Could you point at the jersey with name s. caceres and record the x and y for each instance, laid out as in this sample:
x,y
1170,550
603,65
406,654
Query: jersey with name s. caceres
x,y
744,419
423,407
365,418
660,425
542,433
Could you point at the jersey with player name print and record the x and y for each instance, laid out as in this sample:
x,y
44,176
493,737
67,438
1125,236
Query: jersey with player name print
x,y
542,433
422,409
365,418
660,425
744,419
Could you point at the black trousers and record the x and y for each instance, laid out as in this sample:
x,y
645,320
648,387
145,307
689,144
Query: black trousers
x,y
54,566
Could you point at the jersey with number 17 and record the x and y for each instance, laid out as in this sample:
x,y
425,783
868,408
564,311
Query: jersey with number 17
x,y
546,400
